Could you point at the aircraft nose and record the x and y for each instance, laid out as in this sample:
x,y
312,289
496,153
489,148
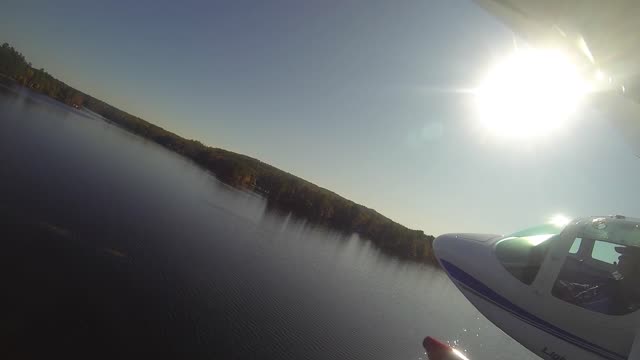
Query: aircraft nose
x,y
461,248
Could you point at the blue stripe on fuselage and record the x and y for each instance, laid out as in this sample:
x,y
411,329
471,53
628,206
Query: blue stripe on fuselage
x,y
480,289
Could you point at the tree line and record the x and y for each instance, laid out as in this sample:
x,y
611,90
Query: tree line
x,y
282,190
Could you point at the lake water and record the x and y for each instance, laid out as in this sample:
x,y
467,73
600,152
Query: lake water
x,y
115,247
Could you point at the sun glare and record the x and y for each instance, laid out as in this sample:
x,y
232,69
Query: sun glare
x,y
529,93
560,220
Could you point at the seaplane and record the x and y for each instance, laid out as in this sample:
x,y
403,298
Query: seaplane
x,y
569,289
564,292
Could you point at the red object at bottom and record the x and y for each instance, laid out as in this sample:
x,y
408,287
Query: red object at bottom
x,y
436,350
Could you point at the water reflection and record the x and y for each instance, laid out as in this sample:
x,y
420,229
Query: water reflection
x,y
145,253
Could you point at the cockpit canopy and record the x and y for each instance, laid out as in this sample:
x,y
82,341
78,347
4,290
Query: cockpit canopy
x,y
523,252
614,229
601,261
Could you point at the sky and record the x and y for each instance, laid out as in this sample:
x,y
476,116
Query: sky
x,y
358,96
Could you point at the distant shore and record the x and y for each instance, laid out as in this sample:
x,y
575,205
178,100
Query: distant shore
x,y
282,190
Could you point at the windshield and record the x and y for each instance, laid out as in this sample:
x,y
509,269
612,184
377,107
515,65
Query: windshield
x,y
523,252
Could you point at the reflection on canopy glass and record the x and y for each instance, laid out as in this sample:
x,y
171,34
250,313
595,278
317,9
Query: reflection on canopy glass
x,y
523,252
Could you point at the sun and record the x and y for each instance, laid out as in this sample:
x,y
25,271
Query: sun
x,y
529,93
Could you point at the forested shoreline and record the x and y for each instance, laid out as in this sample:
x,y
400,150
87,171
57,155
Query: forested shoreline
x,y
282,190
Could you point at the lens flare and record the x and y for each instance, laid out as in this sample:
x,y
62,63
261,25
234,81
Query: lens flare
x,y
560,220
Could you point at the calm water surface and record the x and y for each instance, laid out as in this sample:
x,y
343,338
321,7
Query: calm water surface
x,y
115,247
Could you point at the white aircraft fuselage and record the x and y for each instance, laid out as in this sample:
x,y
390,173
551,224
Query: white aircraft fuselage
x,y
558,303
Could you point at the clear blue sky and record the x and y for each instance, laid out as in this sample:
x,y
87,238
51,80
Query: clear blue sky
x,y
353,95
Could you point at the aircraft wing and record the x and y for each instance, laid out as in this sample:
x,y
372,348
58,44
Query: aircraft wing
x,y
598,35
